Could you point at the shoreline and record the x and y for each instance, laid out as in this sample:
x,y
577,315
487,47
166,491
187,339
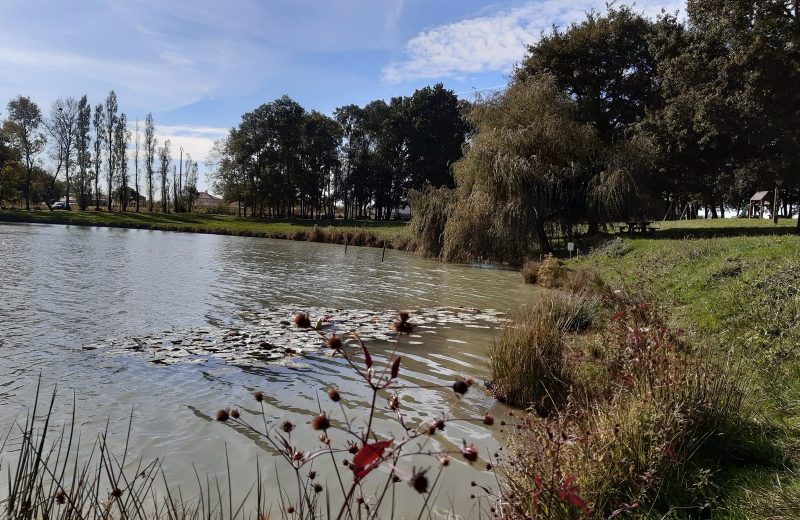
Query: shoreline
x,y
329,231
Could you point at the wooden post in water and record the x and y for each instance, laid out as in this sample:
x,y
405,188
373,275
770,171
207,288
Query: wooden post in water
x,y
346,240
384,251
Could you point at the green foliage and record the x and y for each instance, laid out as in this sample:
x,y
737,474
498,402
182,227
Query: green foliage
x,y
518,174
430,209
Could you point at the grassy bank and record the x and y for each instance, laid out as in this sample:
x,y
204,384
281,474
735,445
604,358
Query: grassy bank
x,y
359,233
683,398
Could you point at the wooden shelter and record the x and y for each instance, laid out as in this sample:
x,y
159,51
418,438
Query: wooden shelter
x,y
757,203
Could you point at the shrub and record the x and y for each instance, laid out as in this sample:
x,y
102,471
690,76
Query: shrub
x,y
528,359
530,271
615,248
548,272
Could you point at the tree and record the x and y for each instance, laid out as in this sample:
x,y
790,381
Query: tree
x,y
84,156
121,141
150,144
165,158
227,172
24,125
63,126
99,122
190,187
605,65
521,173
320,159
136,143
11,171
437,130
112,120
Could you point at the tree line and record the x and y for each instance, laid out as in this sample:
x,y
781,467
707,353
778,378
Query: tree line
x,y
283,160
86,152
622,116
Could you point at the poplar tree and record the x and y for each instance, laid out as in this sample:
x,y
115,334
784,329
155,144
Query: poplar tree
x,y
111,124
149,156
99,122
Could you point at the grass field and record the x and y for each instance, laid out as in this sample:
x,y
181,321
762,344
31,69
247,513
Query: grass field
x,y
367,233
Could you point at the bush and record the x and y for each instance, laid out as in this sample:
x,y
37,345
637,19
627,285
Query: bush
x,y
528,360
615,248
548,272
530,271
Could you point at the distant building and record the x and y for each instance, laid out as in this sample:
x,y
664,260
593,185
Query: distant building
x,y
206,200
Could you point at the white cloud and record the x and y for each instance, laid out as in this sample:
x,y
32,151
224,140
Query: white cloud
x,y
492,42
195,140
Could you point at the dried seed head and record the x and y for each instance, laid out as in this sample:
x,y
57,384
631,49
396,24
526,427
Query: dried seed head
x,y
287,426
324,439
302,320
298,455
488,466
334,395
431,427
61,497
488,419
234,413
444,460
352,447
403,316
318,488
439,424
469,452
290,510
312,475
222,415
419,480
394,403
116,493
320,422
259,395
334,342
460,387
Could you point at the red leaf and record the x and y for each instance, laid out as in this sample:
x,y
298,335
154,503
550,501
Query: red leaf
x,y
367,357
368,458
395,367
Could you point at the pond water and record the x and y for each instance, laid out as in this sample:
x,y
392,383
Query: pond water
x,y
72,298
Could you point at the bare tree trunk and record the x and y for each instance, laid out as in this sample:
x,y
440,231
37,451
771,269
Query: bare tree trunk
x,y
775,206
541,235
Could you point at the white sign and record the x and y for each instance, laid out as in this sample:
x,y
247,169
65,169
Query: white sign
x,y
570,246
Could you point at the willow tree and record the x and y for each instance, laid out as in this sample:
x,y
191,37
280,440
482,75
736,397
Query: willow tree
x,y
517,181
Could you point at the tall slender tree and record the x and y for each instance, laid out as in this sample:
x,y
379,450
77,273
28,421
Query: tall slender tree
x,y
25,123
136,143
99,123
84,155
121,140
111,155
63,126
149,156
165,158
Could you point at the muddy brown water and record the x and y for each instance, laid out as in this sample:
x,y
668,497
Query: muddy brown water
x,y
74,299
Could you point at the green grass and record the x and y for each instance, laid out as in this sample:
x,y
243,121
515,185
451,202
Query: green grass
x,y
365,232
733,285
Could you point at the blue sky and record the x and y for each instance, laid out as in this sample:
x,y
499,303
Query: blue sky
x,y
198,65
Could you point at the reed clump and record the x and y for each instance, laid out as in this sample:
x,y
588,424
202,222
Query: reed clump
x,y
529,359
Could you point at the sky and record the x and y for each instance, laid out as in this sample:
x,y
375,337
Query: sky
x,y
199,65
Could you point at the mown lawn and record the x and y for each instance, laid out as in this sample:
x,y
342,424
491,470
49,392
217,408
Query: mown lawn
x,y
733,285
218,224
